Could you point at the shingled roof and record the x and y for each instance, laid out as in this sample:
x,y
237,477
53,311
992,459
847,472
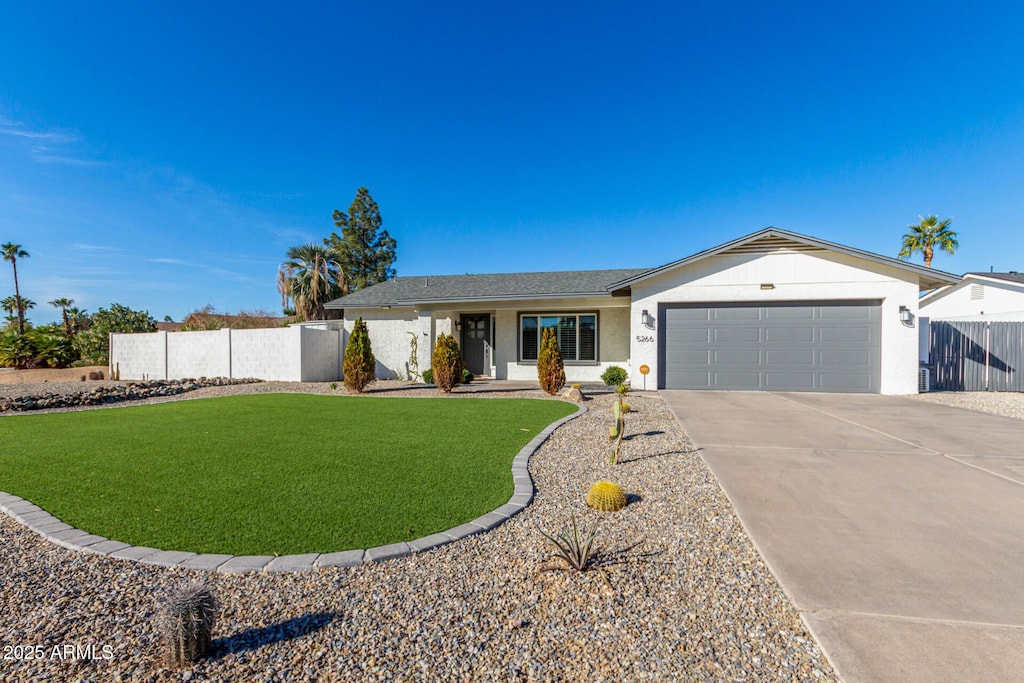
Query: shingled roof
x,y
1012,276
413,290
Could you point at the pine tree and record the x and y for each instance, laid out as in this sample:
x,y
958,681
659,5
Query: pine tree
x,y
360,366
364,249
550,368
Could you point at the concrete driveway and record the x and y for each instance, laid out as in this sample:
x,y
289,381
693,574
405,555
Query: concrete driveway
x,y
896,526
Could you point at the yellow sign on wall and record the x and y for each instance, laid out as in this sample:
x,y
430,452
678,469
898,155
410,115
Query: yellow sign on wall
x,y
644,369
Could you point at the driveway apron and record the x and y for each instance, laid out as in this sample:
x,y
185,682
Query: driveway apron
x,y
896,526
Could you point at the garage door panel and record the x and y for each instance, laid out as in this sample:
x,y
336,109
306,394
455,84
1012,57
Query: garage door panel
x,y
789,381
789,334
859,335
792,346
851,313
750,356
746,335
844,382
748,313
736,380
860,358
795,357
788,313
691,334
689,314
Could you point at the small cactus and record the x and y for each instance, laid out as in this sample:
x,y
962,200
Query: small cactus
x,y
625,407
606,497
618,429
186,623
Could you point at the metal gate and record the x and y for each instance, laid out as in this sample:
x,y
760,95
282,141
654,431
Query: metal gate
x,y
977,356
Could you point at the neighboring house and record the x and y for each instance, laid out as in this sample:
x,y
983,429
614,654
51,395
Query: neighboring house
x,y
774,310
978,296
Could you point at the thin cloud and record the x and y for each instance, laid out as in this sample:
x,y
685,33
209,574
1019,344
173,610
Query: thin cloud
x,y
172,261
46,146
94,247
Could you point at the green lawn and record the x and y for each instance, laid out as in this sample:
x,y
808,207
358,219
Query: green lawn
x,y
272,473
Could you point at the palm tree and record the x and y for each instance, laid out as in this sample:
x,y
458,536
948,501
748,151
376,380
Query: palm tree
x,y
10,305
78,319
927,235
12,252
315,278
64,304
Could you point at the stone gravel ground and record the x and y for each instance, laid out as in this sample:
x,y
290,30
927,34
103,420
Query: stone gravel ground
x,y
1007,404
678,592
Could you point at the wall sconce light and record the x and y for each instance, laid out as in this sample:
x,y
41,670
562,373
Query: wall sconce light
x,y
458,326
767,285
647,319
906,317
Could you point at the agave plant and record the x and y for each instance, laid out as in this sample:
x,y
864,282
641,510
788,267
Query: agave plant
x,y
574,546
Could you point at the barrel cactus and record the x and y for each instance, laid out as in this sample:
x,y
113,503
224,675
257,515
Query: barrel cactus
x,y
606,497
186,623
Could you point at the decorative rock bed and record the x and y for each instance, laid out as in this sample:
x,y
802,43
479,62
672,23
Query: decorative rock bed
x,y
678,591
113,393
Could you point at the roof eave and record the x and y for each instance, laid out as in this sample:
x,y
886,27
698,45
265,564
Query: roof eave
x,y
937,278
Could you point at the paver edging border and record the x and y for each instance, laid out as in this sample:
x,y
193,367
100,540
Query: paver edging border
x,y
54,530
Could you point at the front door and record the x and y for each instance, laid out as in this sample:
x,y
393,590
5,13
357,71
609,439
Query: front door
x,y
476,335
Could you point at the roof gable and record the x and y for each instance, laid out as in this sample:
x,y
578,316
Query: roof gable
x,y
1011,281
774,239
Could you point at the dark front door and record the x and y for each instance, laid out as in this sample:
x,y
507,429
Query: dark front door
x,y
476,336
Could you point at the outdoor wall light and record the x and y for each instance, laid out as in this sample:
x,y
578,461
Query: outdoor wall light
x,y
647,319
906,317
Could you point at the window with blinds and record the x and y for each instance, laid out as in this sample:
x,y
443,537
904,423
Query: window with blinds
x,y
576,334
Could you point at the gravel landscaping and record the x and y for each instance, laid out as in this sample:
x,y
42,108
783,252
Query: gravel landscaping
x,y
678,591
1007,404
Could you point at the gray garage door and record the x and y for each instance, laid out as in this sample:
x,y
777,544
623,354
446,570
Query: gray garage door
x,y
805,346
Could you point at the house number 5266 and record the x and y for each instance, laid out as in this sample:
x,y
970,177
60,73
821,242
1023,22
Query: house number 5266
x,y
643,338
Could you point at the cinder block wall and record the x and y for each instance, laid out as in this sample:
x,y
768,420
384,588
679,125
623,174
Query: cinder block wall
x,y
139,356
199,354
289,354
270,354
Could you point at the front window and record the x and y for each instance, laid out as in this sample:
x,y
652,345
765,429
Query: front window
x,y
576,334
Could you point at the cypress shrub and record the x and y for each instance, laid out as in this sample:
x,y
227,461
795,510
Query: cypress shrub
x,y
360,366
446,363
550,368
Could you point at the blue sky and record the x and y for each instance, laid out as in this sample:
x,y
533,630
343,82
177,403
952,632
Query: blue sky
x,y
165,155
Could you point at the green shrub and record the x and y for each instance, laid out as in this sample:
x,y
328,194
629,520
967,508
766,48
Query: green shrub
x,y
467,376
360,366
550,368
93,344
446,363
614,376
428,376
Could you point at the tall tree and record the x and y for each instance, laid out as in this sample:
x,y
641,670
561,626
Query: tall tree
x,y
364,249
315,278
64,304
12,252
926,236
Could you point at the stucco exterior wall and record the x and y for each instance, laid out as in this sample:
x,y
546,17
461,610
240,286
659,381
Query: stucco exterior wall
x,y
957,302
796,276
390,339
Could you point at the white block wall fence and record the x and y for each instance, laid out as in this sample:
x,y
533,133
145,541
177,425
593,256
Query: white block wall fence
x,y
299,353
